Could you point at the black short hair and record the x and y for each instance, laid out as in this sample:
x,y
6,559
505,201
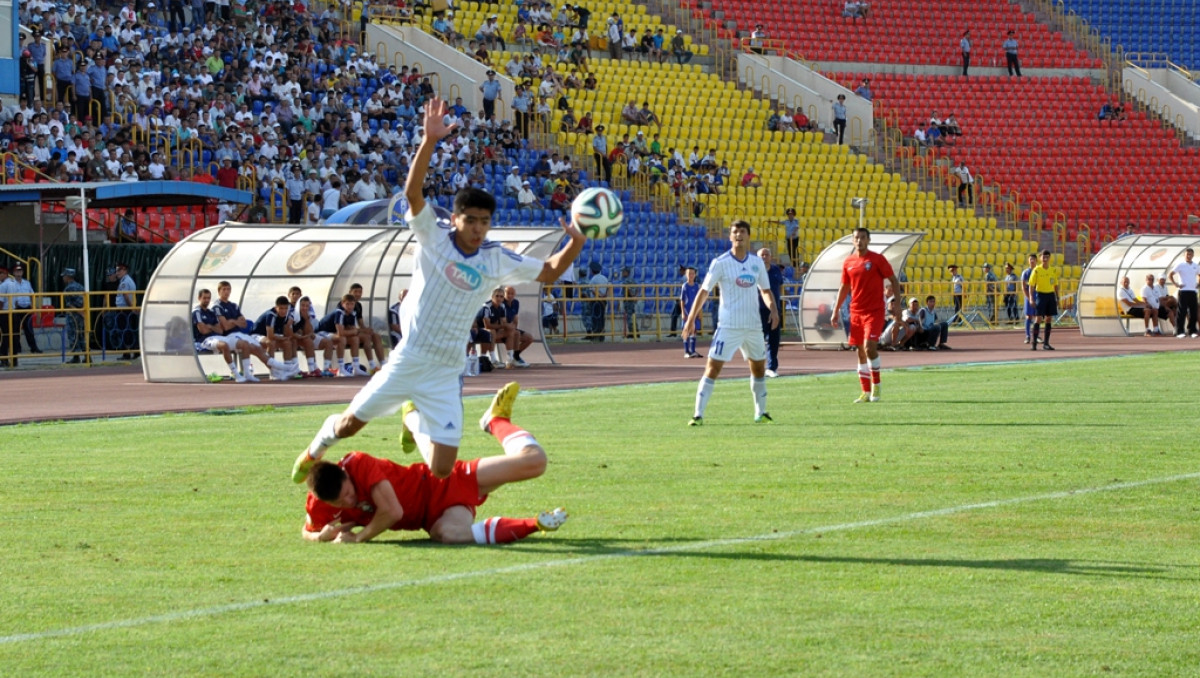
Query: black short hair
x,y
356,286
282,300
474,198
325,480
740,223
203,291
863,230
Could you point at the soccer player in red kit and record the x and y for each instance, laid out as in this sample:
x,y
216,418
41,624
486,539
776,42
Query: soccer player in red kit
x,y
863,274
378,494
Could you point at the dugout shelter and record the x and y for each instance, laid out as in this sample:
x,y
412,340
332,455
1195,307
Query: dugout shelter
x,y
262,261
1098,312
820,323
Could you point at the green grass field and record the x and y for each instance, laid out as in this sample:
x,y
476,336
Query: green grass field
x,y
1012,520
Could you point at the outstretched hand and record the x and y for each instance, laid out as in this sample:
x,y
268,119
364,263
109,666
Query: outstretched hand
x,y
571,228
434,122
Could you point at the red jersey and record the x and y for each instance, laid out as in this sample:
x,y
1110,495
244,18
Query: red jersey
x,y
865,275
422,496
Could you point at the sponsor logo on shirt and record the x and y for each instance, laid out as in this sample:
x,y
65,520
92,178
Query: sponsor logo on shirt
x,y
463,277
746,280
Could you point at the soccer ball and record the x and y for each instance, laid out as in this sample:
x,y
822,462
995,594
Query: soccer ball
x,y
598,212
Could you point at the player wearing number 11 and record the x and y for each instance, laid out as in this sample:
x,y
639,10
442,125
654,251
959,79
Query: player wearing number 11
x,y
863,274
742,277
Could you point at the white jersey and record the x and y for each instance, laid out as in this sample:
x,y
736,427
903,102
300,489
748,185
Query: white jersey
x,y
1150,296
740,282
448,287
1186,273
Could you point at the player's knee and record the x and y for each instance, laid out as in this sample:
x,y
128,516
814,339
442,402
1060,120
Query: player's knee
x,y
532,461
451,533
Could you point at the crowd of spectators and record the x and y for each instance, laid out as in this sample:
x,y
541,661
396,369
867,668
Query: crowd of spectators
x,y
262,94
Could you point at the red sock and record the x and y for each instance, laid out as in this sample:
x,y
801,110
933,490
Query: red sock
x,y
874,376
864,378
503,428
506,530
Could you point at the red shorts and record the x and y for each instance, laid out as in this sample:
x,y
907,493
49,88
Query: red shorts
x,y
461,488
868,326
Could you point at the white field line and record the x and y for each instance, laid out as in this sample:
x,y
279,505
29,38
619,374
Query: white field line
x,y
581,560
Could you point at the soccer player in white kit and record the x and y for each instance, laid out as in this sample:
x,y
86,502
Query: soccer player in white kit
x,y
740,273
456,270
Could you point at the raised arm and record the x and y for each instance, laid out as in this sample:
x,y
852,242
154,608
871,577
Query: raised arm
x,y
560,261
436,129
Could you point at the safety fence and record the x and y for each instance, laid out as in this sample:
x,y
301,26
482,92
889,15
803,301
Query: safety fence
x,y
76,327
68,327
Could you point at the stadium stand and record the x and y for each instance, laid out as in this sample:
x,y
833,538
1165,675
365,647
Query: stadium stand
x,y
1042,137
1165,26
903,32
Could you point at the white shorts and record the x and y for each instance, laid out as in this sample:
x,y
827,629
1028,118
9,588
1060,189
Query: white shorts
x,y
321,336
233,338
212,343
726,341
436,390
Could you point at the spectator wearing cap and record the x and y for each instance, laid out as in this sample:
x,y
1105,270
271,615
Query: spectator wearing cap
x,y
63,70
227,174
83,91
74,327
512,182
21,305
121,324
490,89
37,54
98,75
679,50
294,186
956,283
526,198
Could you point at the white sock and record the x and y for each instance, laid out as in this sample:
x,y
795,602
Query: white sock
x,y
274,364
325,437
703,393
329,364
424,444
374,364
355,363
517,442
312,364
758,386
482,529
232,367
247,368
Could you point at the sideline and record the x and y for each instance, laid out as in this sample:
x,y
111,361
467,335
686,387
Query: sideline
x,y
696,546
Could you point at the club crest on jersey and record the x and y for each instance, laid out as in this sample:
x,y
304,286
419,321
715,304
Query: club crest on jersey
x,y
867,265
462,276
746,280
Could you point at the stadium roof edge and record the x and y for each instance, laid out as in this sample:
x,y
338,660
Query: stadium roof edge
x,y
125,193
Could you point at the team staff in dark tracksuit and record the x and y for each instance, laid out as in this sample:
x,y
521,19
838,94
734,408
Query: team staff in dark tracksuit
x,y
771,334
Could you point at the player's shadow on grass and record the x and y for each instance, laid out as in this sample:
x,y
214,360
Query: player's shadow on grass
x,y
624,548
